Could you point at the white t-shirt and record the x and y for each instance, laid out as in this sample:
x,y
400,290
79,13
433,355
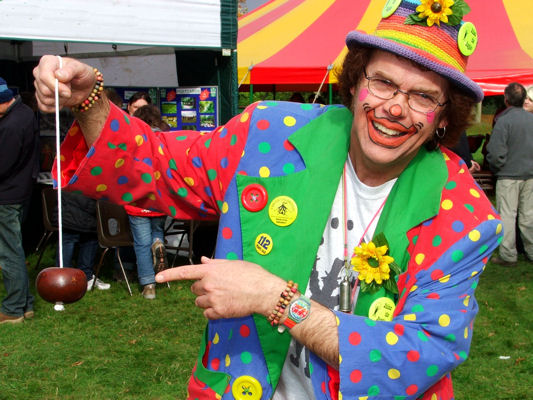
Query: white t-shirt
x,y
362,204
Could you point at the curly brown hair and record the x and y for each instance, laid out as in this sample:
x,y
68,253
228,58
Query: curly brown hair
x,y
458,109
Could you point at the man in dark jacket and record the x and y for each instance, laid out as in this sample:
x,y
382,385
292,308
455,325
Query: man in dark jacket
x,y
18,168
509,156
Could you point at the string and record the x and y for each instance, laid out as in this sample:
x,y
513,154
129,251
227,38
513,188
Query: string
x,y
58,164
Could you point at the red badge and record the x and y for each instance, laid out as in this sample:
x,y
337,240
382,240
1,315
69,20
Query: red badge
x,y
254,197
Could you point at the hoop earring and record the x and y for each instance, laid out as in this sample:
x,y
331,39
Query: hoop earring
x,y
440,134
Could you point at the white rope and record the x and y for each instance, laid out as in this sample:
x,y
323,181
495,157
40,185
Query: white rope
x,y
59,305
245,75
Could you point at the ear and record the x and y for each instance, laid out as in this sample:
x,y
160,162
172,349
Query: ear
x,y
352,91
443,123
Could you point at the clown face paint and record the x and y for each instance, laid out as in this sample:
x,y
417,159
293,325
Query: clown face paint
x,y
387,134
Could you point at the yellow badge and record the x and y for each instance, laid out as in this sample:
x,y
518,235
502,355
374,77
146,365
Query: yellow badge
x,y
283,211
263,244
390,7
381,309
246,388
467,38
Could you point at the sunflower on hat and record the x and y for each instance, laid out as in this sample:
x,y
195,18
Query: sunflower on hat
x,y
430,12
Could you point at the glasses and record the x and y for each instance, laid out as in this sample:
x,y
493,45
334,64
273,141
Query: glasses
x,y
417,101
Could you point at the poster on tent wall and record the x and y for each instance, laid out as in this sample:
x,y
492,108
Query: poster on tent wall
x,y
190,108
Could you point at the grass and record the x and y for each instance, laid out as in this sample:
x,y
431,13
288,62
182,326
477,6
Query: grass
x,y
113,346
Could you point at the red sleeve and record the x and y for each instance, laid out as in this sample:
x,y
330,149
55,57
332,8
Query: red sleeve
x,y
184,174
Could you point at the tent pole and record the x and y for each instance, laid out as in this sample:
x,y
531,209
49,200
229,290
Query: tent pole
x,y
330,93
251,100
273,92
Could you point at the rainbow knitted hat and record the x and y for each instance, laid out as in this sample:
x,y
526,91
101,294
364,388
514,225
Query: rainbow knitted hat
x,y
430,33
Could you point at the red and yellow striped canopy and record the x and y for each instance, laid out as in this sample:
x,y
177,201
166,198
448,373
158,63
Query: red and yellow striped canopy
x,y
301,42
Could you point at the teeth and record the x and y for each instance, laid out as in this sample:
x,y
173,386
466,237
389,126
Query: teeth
x,y
385,130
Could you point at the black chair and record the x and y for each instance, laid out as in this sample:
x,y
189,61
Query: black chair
x,y
184,228
49,206
113,229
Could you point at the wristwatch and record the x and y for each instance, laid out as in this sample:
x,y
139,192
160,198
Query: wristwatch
x,y
299,310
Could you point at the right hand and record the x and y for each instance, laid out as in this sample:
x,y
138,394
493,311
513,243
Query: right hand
x,y
75,82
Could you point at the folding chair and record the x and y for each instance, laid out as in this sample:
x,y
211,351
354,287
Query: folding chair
x,y
113,229
185,228
49,205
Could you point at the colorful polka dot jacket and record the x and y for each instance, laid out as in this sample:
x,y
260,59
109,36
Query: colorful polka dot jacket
x,y
440,227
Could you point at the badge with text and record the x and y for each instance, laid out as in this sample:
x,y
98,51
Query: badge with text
x,y
283,211
382,309
263,244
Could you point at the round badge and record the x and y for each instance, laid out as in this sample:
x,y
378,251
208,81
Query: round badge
x,y
246,387
283,211
263,244
254,197
390,7
381,309
467,38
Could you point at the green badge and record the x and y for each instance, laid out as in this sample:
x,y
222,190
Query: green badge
x,y
390,7
467,38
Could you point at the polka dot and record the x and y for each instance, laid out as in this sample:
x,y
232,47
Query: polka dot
x,y
127,197
227,360
437,240
215,364
356,376
189,181
288,145
231,256
122,180
437,274
224,208
447,204
466,301
458,226
263,124
223,133
475,193
96,171
422,336
172,210
483,249
244,331
451,185
498,229
146,178
375,355
246,357
216,338
119,163
373,390
469,207
289,121
139,140
227,233
450,337
264,147
182,192
444,320
391,338
264,172
233,140
151,196
370,322
208,191
393,373
457,255
399,329
335,223
224,162
413,288
288,168
474,235
211,174
466,333
433,296
419,258
413,355
101,188
197,162
411,390
207,143
88,155
417,308
432,370
244,117
114,125
354,338
409,317
122,146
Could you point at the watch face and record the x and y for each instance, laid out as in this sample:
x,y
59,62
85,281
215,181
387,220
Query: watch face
x,y
299,309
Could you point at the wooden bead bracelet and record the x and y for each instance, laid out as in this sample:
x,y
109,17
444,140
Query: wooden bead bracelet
x,y
284,300
96,93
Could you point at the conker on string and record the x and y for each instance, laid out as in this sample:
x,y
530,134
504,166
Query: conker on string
x,y
66,285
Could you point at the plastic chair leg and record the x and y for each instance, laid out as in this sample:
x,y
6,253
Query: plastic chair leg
x,y
123,271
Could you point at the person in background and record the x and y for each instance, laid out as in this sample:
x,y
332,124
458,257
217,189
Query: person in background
x,y
19,162
509,156
138,99
528,102
309,196
147,226
462,149
114,97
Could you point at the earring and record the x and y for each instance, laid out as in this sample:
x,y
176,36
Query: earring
x,y
440,134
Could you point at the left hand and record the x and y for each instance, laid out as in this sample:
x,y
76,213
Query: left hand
x,y
475,167
227,288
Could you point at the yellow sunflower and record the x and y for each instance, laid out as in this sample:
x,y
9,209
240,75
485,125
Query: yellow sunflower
x,y
372,263
435,11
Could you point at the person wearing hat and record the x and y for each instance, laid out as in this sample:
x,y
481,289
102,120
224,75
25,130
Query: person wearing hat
x,y
350,239
19,138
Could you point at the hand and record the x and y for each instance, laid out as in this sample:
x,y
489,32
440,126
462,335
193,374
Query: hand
x,y
228,289
76,81
474,167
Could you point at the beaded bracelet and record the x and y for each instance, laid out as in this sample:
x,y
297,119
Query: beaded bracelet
x,y
284,300
95,93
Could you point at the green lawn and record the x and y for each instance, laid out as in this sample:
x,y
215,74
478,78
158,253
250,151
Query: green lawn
x,y
113,346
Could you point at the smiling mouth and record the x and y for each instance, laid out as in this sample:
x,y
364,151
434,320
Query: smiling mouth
x,y
387,133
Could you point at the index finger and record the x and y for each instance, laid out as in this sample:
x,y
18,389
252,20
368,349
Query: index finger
x,y
186,272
